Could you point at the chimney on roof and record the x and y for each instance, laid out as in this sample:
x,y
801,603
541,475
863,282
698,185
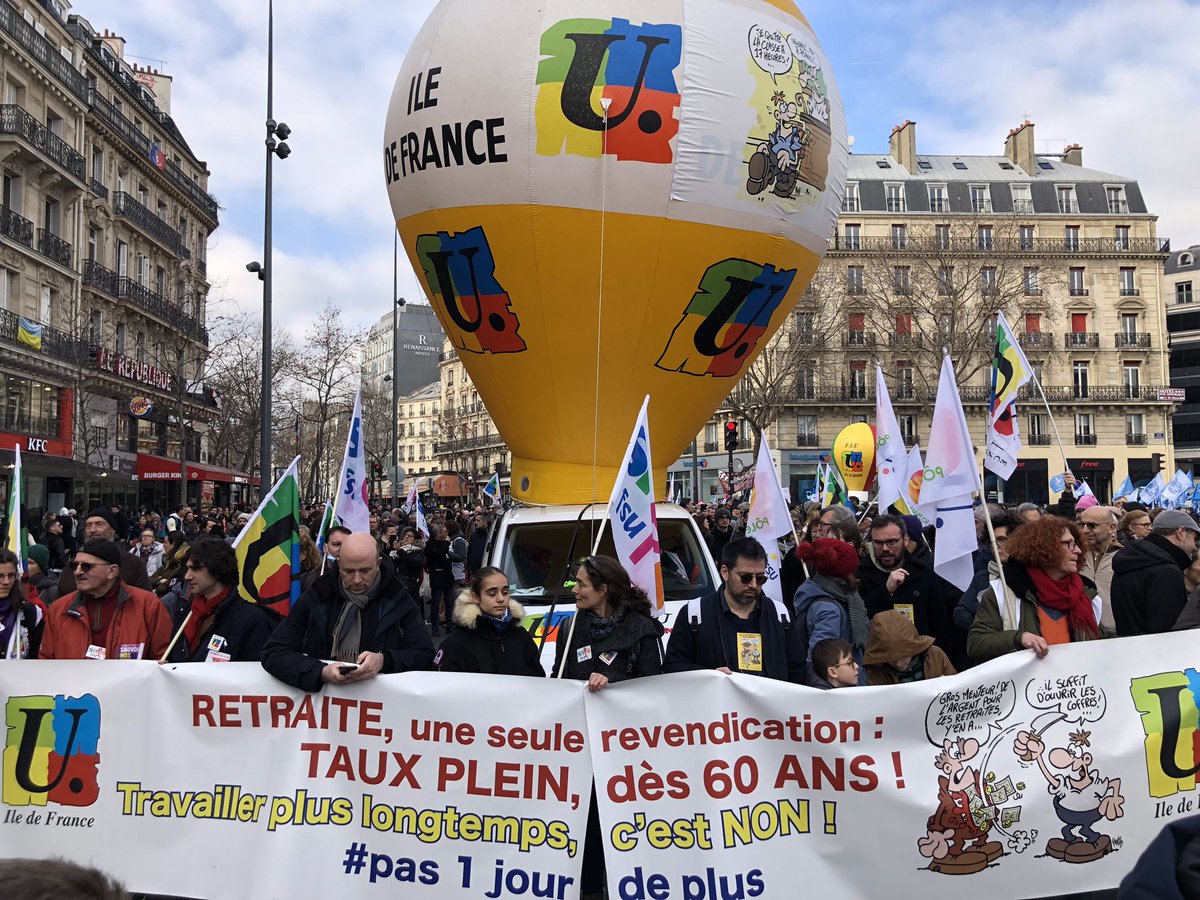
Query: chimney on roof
x,y
1019,147
1072,154
902,145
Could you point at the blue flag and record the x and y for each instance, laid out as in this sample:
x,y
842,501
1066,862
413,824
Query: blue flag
x,y
1058,483
1124,489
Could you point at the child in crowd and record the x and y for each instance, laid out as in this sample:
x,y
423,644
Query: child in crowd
x,y
833,661
897,654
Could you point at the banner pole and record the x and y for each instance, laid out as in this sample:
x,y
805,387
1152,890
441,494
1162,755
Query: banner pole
x,y
1058,437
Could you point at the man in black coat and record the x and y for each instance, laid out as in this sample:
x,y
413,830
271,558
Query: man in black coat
x,y
364,620
100,525
1148,592
890,577
223,626
738,628
477,545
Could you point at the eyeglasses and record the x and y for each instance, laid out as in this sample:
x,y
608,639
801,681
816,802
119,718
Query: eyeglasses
x,y
1091,524
87,567
890,542
757,577
1070,545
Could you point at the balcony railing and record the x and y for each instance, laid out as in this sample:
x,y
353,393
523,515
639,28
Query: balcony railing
x,y
807,440
1085,440
42,50
1131,340
16,120
1130,292
851,204
52,246
99,189
905,341
1077,291
15,226
1068,206
1037,440
1135,439
981,206
1074,340
1022,207
895,204
57,344
858,339
939,204
711,446
125,206
1013,245
1117,207
102,279
1036,340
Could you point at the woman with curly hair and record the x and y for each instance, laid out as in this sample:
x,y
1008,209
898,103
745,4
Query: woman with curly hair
x,y
1049,602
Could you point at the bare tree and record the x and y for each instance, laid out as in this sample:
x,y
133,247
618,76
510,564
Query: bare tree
x,y
927,289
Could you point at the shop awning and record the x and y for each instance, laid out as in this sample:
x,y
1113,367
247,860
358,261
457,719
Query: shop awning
x,y
450,486
159,468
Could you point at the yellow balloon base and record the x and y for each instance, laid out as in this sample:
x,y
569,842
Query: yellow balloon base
x,y
543,483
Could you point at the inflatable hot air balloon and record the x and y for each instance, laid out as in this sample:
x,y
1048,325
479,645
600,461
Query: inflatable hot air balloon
x,y
609,198
854,455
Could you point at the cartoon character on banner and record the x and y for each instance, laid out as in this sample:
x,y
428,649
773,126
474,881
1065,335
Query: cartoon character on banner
x,y
800,120
1081,796
972,802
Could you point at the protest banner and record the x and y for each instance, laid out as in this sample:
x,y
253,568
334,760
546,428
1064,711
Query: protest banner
x,y
219,781
890,791
211,781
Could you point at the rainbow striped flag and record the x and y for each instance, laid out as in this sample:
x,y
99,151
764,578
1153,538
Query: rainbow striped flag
x,y
16,537
268,547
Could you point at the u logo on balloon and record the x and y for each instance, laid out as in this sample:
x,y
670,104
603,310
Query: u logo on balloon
x,y
726,318
460,272
631,65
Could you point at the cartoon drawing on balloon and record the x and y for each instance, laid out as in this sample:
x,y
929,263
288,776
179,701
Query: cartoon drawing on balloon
x,y
1081,797
788,151
976,804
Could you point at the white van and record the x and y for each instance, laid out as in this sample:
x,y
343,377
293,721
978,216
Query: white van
x,y
539,548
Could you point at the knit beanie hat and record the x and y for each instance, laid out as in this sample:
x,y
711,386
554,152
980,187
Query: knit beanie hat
x,y
827,556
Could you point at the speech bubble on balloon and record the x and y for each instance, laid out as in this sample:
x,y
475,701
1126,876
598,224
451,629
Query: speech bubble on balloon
x,y
970,712
1071,695
770,51
801,50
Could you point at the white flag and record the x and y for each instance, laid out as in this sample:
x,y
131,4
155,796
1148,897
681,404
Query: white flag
x,y
891,459
950,478
1180,484
350,506
631,513
1152,491
769,518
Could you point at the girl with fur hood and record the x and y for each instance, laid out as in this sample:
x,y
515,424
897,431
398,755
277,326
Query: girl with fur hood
x,y
490,638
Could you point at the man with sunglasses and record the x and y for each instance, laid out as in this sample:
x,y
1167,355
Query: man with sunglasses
x,y
738,628
892,578
1100,529
105,618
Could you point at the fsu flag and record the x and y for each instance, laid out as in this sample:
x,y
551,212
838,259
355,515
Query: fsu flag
x,y
268,548
1010,370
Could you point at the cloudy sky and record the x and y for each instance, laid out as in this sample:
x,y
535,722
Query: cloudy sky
x,y
1118,78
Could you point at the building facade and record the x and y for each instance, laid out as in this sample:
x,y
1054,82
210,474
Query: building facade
x,y
928,249
466,439
419,338
104,226
1181,284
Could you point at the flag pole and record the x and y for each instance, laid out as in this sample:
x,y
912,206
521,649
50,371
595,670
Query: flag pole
x,y
174,640
1058,437
987,518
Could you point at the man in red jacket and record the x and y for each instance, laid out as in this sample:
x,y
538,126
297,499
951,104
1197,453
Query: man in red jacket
x,y
105,618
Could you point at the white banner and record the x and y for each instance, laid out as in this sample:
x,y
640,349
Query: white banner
x,y
455,786
734,783
351,506
219,781
769,519
631,513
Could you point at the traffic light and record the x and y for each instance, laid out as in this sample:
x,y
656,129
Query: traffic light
x,y
378,470
731,436
1157,463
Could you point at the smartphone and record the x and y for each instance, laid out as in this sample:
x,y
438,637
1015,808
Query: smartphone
x,y
347,668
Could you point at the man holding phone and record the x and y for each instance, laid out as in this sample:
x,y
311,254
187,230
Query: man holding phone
x,y
351,628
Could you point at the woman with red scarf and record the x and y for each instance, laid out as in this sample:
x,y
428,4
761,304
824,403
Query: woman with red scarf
x,y
1048,602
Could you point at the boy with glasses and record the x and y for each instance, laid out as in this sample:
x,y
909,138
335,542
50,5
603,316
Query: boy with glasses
x,y
737,629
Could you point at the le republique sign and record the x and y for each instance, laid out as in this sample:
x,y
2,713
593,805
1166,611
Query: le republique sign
x,y
119,364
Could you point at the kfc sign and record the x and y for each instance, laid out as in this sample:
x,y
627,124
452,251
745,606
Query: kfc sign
x,y
119,364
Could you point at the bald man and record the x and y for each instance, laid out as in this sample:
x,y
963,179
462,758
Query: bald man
x,y
350,628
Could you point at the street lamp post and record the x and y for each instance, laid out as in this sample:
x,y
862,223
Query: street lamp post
x,y
397,302
274,148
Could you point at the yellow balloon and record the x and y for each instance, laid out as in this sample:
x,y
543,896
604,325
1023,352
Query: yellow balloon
x,y
622,201
854,455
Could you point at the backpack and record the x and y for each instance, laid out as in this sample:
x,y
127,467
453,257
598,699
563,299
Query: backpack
x,y
695,606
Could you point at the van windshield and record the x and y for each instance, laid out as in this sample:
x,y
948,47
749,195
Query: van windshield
x,y
537,564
